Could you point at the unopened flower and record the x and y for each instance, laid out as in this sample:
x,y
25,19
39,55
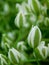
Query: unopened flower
x,y
20,20
21,8
7,39
34,37
4,42
21,46
3,60
15,56
41,51
35,5
30,4
27,8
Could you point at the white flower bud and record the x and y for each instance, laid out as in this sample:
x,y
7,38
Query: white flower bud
x,y
30,4
41,51
3,60
20,20
14,55
21,46
5,45
26,8
7,39
5,42
34,37
21,8
35,5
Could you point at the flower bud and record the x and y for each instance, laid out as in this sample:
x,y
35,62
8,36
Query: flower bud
x,y
15,56
5,43
26,8
30,4
41,51
3,60
34,37
20,8
20,20
21,46
7,39
35,4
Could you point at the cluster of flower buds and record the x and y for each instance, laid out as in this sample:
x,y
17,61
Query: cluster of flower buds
x,y
32,8
7,39
34,41
15,56
3,60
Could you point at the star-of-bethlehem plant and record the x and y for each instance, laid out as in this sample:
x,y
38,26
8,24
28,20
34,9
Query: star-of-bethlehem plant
x,y
24,43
